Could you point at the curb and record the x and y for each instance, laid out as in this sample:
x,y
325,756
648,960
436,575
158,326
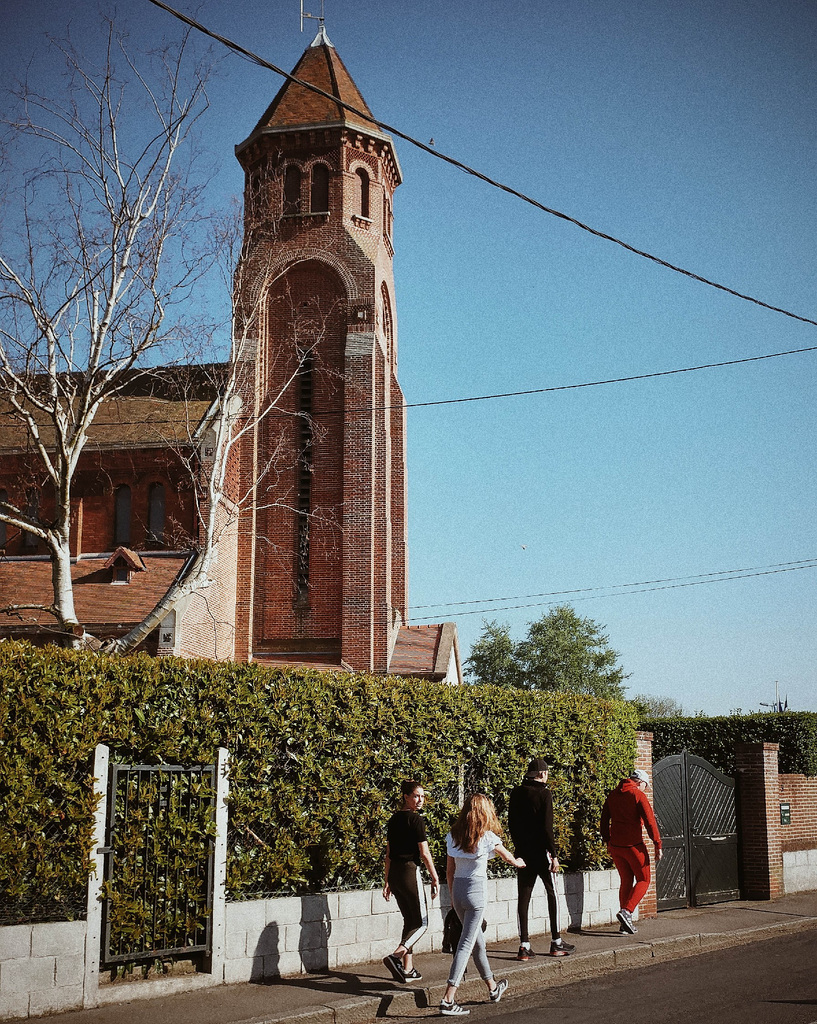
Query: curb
x,y
368,1010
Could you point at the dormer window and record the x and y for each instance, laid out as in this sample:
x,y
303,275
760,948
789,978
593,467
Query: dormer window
x,y
292,191
319,195
123,563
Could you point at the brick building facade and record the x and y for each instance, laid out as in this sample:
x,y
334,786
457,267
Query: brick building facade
x,y
313,567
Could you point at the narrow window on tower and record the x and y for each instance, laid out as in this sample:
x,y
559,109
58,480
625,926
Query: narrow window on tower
x,y
156,513
121,516
304,481
364,192
292,190
319,199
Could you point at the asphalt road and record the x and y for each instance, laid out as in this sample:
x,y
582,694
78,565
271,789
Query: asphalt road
x,y
773,982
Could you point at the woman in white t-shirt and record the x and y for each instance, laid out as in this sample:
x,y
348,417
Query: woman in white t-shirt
x,y
473,839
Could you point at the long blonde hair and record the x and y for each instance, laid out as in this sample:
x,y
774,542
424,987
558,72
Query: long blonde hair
x,y
478,816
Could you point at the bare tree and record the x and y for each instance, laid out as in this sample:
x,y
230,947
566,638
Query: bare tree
x,y
96,292
102,248
240,408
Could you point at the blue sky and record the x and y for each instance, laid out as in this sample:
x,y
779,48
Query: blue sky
x,y
688,131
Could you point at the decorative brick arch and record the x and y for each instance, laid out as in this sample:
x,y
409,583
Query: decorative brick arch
x,y
281,267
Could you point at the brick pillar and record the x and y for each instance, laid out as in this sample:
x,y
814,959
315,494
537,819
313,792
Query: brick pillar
x,y
359,475
648,907
759,815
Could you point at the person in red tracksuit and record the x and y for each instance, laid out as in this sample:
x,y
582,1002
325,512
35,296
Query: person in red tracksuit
x,y
624,811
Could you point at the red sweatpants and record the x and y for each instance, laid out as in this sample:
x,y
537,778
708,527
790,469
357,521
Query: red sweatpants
x,y
633,865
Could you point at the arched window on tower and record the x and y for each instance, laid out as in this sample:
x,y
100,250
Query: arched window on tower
x,y
319,196
363,189
156,513
121,516
292,190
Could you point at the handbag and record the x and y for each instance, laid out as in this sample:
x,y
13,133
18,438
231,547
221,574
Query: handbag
x,y
452,930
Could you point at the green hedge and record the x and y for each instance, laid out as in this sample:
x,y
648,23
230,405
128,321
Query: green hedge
x,y
714,738
316,760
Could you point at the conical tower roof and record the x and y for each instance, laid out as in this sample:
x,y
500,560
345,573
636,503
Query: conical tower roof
x,y
297,107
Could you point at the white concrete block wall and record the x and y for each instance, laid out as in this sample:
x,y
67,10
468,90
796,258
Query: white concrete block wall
x,y
293,935
41,968
800,871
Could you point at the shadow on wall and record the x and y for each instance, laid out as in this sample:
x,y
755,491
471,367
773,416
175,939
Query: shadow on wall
x,y
574,897
314,929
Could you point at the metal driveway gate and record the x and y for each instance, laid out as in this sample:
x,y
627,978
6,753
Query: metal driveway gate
x,y
157,894
695,807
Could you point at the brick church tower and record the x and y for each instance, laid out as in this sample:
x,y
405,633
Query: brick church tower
x,y
322,554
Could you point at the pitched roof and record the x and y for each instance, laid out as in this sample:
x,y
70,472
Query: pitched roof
x,y
297,107
423,650
165,406
98,601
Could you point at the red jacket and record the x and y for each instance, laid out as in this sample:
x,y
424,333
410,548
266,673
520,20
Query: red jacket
x,y
623,812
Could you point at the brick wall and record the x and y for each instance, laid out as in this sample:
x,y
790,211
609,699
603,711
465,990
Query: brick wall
x,y
800,792
759,805
643,760
799,838
98,475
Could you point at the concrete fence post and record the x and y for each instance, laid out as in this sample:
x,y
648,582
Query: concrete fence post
x,y
217,955
93,923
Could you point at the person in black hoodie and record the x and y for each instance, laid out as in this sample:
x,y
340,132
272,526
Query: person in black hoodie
x,y
530,819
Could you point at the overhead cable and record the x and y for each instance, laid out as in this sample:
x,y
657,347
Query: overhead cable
x,y
508,394
640,589
433,151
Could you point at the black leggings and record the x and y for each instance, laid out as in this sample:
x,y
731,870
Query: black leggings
x,y
525,882
407,885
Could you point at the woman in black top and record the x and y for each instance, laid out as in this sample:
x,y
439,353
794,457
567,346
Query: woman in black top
x,y
406,847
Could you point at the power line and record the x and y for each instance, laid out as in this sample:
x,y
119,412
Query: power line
x,y
641,588
617,586
612,380
256,59
502,394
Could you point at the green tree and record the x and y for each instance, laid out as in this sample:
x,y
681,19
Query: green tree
x,y
649,706
562,651
493,659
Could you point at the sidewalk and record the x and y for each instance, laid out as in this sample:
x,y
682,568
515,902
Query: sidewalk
x,y
364,992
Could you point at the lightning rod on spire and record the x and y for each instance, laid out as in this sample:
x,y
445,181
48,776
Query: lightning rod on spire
x,y
315,17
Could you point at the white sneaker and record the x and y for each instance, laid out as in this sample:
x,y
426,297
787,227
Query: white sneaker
x,y
452,1009
497,993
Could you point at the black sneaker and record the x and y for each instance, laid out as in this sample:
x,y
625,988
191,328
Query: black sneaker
x,y
625,919
412,975
499,991
561,948
395,965
525,953
452,1009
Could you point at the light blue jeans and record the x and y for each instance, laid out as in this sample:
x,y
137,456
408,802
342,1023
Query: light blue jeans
x,y
468,899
